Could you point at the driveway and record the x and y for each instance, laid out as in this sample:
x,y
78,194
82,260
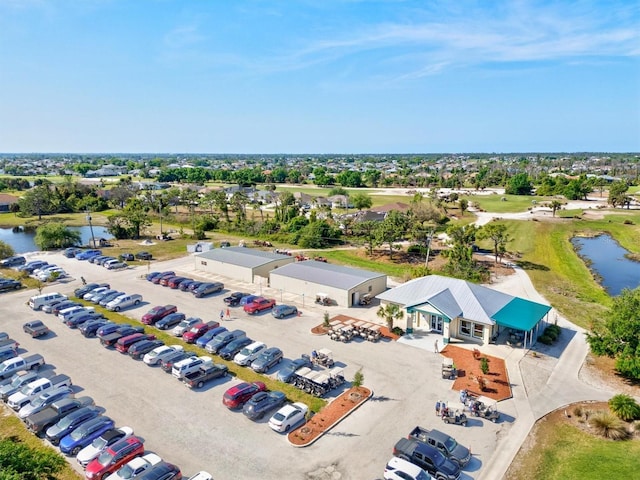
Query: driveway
x,y
194,430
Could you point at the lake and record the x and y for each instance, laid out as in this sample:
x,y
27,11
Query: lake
x,y
608,261
22,242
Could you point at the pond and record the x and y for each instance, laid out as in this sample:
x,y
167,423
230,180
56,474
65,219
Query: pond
x,y
607,260
22,241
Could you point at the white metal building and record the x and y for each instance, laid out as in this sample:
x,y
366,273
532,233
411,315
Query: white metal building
x,y
344,285
240,263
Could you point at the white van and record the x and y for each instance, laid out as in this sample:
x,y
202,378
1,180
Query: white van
x,y
40,301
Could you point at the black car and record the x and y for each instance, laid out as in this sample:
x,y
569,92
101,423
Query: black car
x,y
285,374
263,402
126,257
229,351
160,471
14,261
139,349
208,288
168,363
144,256
71,252
170,321
234,299
427,458
90,328
77,320
185,284
9,284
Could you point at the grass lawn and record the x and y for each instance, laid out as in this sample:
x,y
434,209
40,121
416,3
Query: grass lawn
x,y
11,426
563,451
513,204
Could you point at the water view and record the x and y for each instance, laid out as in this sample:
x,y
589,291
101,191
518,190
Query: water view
x,y
608,261
23,242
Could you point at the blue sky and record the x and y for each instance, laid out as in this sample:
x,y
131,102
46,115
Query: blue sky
x,y
319,76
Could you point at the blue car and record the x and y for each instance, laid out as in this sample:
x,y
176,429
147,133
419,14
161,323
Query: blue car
x,y
87,254
207,337
247,299
85,434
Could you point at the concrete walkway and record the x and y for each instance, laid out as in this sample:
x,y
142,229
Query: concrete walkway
x,y
552,388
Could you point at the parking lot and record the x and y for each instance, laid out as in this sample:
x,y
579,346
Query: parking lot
x,y
195,431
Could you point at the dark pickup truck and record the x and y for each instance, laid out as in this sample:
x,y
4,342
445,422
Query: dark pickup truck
x,y
444,443
39,422
201,376
35,328
111,339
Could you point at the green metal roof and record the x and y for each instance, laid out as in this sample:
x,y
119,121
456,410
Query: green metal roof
x,y
521,314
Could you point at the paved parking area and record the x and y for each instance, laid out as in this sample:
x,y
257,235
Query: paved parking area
x,y
194,430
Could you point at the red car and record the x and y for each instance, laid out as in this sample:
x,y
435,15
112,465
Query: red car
x,y
113,457
164,281
123,344
259,304
156,279
237,396
156,313
174,282
198,330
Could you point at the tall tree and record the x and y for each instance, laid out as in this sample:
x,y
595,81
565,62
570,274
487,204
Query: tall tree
x,y
56,235
367,232
361,201
497,233
618,193
390,313
519,184
136,217
38,201
392,229
6,250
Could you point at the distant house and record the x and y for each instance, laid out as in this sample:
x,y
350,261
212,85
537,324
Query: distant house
x,y
466,311
6,201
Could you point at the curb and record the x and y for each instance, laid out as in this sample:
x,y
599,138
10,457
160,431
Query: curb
x,y
311,442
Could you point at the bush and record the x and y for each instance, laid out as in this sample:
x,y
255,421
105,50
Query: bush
x,y
625,407
484,365
554,328
358,379
419,249
577,411
551,334
397,331
608,425
628,222
545,339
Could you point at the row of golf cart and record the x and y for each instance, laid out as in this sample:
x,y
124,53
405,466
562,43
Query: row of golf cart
x,y
346,331
319,382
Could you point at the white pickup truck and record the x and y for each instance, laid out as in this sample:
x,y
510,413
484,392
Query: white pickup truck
x,y
18,364
31,390
188,365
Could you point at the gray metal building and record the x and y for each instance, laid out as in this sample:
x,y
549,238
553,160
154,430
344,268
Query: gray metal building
x,y
240,263
344,285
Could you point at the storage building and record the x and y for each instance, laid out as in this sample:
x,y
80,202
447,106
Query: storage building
x,y
240,263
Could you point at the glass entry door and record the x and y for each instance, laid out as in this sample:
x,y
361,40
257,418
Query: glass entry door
x,y
436,323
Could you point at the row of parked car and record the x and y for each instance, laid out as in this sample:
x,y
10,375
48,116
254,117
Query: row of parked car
x,y
197,288
38,269
94,255
76,426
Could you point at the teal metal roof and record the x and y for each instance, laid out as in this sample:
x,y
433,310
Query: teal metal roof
x,y
521,314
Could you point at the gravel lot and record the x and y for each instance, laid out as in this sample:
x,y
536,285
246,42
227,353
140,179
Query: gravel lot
x,y
194,430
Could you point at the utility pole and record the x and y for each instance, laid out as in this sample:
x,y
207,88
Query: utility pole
x,y
93,238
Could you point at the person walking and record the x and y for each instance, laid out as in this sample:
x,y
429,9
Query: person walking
x,y
228,314
435,346
437,408
221,315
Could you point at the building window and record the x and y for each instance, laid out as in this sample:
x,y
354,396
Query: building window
x,y
478,330
465,328
370,288
202,262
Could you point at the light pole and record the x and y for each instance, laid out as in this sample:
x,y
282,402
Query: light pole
x,y
93,239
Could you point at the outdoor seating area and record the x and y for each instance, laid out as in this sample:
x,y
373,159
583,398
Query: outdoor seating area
x,y
345,329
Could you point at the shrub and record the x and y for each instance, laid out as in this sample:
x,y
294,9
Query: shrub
x,y
554,328
397,331
545,339
358,379
628,222
608,425
625,407
551,334
325,319
577,411
484,365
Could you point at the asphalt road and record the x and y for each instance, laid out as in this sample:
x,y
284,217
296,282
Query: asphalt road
x,y
195,431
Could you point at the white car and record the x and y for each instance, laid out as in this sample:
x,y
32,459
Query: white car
x,y
95,291
288,416
185,325
249,353
135,467
201,476
156,355
96,447
43,269
49,274
399,469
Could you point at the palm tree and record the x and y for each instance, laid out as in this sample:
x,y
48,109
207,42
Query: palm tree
x,y
390,312
555,205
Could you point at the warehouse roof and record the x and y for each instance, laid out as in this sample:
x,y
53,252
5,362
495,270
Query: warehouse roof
x,y
327,274
242,256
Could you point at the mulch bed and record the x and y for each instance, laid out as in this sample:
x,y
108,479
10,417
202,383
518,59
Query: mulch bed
x,y
329,416
497,380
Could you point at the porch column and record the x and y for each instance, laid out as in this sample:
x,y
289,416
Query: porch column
x,y
445,332
410,318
